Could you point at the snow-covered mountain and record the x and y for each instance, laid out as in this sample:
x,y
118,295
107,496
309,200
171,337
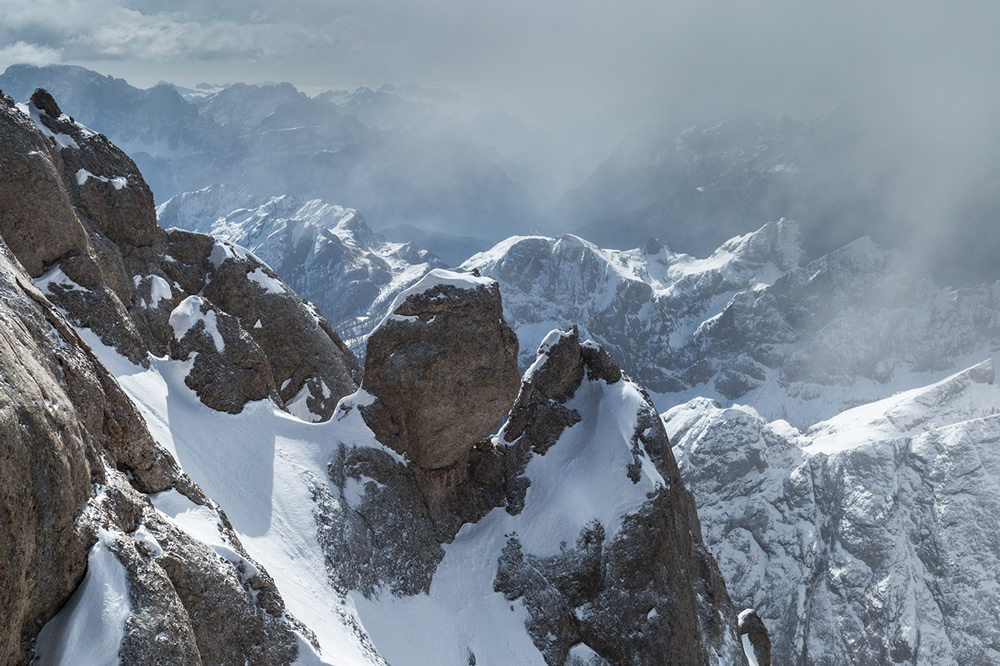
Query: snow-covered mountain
x,y
869,538
179,488
752,322
326,253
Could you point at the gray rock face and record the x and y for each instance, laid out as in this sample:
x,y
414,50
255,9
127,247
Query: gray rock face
x,y
77,462
443,367
103,260
870,538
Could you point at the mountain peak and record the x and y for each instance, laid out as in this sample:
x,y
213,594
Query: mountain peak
x,y
778,242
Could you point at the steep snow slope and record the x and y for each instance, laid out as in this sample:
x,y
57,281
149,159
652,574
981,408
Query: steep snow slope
x,y
869,538
751,322
326,253
266,469
260,466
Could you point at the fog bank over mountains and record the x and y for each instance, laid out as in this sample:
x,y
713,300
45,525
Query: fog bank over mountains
x,y
919,174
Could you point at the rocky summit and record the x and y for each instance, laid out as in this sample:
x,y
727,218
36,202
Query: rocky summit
x,y
192,475
81,471
443,368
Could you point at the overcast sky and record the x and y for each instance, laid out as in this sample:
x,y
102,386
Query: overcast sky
x,y
551,55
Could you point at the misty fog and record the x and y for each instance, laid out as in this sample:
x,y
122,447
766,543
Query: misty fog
x,y
688,121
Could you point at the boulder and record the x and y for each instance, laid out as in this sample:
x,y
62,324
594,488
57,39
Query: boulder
x,y
751,626
443,367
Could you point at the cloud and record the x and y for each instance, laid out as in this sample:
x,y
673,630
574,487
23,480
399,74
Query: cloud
x,y
119,30
922,72
30,54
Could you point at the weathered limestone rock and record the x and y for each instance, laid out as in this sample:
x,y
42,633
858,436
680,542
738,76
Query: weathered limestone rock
x,y
229,368
76,457
30,183
443,367
753,628
79,216
45,478
650,595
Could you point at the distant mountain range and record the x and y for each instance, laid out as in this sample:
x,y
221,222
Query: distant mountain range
x,y
413,165
409,157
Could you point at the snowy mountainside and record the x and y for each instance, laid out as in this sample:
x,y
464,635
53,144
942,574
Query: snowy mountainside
x,y
326,253
869,538
751,322
281,481
206,483
115,552
261,467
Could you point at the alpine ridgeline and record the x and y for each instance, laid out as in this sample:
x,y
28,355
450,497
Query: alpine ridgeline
x,y
91,504
427,170
393,527
752,322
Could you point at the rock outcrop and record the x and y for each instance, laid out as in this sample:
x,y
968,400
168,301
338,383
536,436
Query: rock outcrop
x,y
645,591
80,470
443,368
99,255
756,640
77,466
577,501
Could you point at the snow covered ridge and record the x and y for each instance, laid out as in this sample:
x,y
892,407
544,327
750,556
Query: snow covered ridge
x,y
750,323
442,283
869,538
596,500
586,505
326,253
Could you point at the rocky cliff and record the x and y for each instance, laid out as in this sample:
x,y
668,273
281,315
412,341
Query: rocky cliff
x,y
564,536
81,219
869,538
80,468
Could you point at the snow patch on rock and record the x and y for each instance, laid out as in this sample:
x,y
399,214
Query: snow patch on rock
x,y
92,623
188,314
